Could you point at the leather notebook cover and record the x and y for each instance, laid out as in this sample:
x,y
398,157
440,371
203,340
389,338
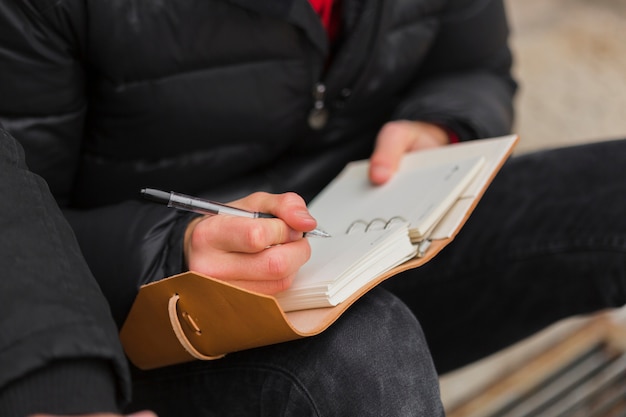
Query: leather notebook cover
x,y
218,318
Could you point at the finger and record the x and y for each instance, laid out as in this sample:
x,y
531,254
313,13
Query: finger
x,y
273,264
398,137
289,207
393,140
242,235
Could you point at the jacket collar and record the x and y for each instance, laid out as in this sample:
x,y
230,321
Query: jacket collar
x,y
297,12
278,8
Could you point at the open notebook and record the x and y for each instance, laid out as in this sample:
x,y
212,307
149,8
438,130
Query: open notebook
x,y
377,232
375,228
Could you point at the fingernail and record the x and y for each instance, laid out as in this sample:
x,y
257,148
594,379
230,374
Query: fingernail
x,y
295,235
380,173
303,214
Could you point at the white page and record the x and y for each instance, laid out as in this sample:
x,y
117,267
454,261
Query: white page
x,y
493,150
418,194
344,263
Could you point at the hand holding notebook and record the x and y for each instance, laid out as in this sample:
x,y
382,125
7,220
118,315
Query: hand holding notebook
x,y
373,228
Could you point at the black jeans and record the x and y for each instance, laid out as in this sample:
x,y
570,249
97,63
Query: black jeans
x,y
547,241
373,361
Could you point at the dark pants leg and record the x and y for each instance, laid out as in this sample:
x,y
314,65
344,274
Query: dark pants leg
x,y
373,361
547,241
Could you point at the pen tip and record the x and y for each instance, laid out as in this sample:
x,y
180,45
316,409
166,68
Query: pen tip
x,y
317,233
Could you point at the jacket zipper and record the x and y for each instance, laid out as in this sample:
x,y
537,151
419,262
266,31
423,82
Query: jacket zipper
x,y
318,116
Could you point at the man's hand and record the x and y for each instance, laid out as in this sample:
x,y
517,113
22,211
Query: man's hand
x,y
261,255
397,138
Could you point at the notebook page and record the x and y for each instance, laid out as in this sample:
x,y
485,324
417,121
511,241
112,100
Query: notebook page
x,y
420,193
342,264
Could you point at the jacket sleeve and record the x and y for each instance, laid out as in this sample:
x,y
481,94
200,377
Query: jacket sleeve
x,y
42,60
54,316
465,82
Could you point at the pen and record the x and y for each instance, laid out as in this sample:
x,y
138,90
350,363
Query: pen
x,y
201,206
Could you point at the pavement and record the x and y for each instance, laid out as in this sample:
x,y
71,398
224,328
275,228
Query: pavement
x,y
570,62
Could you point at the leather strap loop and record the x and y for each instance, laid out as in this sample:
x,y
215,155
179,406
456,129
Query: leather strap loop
x,y
180,334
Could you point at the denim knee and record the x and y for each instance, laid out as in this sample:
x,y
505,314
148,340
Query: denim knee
x,y
374,361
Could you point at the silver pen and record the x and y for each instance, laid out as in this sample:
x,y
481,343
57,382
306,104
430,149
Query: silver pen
x,y
201,206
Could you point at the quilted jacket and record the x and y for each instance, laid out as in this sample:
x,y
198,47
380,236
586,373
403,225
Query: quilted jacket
x,y
56,329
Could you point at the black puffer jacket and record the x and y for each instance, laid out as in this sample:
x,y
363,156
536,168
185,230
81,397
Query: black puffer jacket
x,y
56,330
214,97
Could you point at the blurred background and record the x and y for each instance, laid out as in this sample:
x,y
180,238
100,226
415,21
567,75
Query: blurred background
x,y
570,61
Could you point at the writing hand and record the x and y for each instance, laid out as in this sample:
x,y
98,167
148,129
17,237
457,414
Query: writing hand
x,y
397,138
261,255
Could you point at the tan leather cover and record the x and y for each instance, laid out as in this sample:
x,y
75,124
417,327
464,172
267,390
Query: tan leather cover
x,y
229,318
211,318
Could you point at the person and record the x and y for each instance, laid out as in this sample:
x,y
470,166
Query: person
x,y
378,343
59,347
225,98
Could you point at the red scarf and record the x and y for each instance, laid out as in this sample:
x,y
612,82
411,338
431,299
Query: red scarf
x,y
328,11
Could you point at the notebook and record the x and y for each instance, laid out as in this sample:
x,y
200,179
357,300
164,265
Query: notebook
x,y
374,228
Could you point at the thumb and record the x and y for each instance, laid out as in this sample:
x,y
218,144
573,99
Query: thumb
x,y
398,137
392,142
